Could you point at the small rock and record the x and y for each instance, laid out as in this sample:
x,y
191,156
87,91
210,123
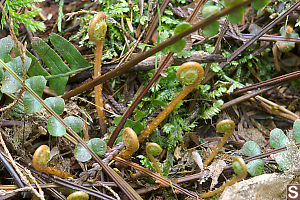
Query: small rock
x,y
263,187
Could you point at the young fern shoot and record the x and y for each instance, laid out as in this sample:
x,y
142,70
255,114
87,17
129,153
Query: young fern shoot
x,y
153,149
225,126
78,195
97,31
240,169
189,74
40,161
130,141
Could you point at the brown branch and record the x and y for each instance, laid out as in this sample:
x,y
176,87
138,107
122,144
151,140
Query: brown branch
x,y
261,33
246,97
155,21
270,38
160,179
152,51
164,64
253,39
272,81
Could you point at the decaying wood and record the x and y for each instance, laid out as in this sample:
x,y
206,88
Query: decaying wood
x,y
149,63
197,56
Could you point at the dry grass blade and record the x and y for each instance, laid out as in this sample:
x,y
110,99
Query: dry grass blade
x,y
262,32
279,79
246,97
162,180
162,66
124,186
73,186
152,51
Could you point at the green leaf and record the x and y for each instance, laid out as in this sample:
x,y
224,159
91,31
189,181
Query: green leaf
x,y
278,138
284,159
75,123
177,47
237,16
55,128
258,4
12,7
211,29
54,63
284,46
36,68
57,104
1,74
97,145
232,2
6,45
209,10
37,84
60,14
296,130
255,167
81,154
182,27
9,84
212,111
68,52
251,148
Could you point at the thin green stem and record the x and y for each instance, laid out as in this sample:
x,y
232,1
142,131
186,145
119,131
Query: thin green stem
x,y
67,73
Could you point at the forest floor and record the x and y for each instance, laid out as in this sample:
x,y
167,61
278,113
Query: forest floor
x,y
230,131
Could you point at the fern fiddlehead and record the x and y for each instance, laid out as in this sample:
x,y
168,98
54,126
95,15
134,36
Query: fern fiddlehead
x,y
225,126
130,141
153,149
40,161
97,31
78,195
240,169
189,74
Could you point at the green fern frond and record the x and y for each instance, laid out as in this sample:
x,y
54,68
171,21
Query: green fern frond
x,y
212,111
217,93
27,18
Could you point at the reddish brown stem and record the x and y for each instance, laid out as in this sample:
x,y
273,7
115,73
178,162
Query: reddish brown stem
x,y
97,31
198,72
272,81
233,180
98,89
227,127
161,180
157,74
152,51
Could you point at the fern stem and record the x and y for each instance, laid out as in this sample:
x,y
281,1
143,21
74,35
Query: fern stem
x,y
98,89
152,51
97,31
227,127
75,138
153,149
238,177
171,106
